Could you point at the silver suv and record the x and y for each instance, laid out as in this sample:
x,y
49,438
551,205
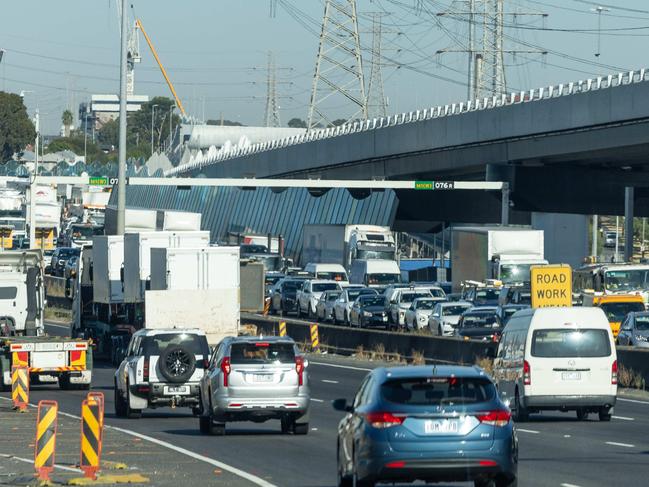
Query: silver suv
x,y
256,379
161,368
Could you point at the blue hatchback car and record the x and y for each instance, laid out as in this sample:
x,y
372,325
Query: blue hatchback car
x,y
429,423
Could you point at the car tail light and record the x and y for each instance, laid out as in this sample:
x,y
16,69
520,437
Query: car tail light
x,y
144,389
206,363
145,369
299,368
488,463
383,420
262,344
397,464
225,368
498,417
527,373
614,373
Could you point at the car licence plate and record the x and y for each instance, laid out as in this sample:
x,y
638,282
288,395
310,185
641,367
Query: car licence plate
x,y
263,377
176,390
570,375
440,426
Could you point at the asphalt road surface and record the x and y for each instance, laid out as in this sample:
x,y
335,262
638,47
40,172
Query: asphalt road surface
x,y
555,449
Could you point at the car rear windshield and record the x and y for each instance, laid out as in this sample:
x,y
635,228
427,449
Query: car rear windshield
x,y
332,276
372,301
454,310
642,322
262,353
325,286
487,294
292,285
63,253
556,343
333,295
156,344
410,297
616,312
354,293
436,391
426,304
479,320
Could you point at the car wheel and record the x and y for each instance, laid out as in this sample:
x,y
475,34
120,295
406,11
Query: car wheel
x,y
301,428
346,320
64,382
120,405
204,423
520,412
440,332
343,479
311,313
604,414
582,414
286,425
356,482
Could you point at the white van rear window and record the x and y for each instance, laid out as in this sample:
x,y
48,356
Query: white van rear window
x,y
556,343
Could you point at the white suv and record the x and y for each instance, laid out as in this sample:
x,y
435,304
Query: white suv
x,y
161,368
307,297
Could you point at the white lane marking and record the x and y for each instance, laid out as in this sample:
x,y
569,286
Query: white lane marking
x,y
330,381
317,400
623,418
27,460
223,466
341,366
566,436
314,429
614,443
534,432
569,485
632,400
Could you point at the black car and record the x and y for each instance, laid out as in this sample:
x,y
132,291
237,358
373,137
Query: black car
x,y
283,299
368,311
506,311
60,258
480,323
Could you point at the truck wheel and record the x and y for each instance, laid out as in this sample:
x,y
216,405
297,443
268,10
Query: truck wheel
x,y
64,382
604,414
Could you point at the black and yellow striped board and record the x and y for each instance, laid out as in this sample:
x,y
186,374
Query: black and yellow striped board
x,y
282,328
91,436
20,387
45,443
315,339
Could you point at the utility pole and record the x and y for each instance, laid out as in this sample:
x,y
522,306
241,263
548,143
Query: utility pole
x,y
486,75
598,10
376,102
32,186
339,66
121,175
593,250
271,115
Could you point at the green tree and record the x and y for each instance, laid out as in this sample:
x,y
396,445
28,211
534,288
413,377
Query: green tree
x,y
16,130
297,123
67,119
228,123
76,144
108,134
338,122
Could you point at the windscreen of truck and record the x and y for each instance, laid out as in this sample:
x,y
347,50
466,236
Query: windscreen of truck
x,y
86,232
513,273
383,279
616,312
272,263
156,344
8,292
262,353
626,280
558,343
332,276
375,254
454,310
324,286
436,391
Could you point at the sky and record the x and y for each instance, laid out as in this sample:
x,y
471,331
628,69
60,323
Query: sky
x,y
59,52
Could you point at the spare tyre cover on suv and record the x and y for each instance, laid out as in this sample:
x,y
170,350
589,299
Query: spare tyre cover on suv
x,y
177,363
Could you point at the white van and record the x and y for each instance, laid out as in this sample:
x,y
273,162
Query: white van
x,y
328,272
558,359
375,273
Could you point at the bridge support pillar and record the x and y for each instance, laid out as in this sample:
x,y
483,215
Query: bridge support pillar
x,y
629,201
504,201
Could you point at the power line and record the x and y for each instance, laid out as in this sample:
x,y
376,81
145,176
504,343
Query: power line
x,y
376,102
271,115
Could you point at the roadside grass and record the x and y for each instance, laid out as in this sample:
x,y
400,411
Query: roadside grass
x,y
629,378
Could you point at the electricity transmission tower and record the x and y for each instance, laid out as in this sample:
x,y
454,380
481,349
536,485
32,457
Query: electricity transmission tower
x,y
271,115
376,103
485,47
338,68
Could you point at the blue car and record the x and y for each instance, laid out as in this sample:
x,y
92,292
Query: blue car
x,y
429,423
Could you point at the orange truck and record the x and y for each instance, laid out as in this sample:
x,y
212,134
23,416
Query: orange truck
x,y
615,306
50,359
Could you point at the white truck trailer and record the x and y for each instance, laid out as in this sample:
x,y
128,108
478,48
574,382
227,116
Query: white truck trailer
x,y
342,244
503,253
21,293
195,288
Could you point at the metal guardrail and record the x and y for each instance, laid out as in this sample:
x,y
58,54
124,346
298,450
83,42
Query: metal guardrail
x,y
554,91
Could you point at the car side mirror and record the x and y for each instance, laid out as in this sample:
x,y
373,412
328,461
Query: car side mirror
x,y
341,405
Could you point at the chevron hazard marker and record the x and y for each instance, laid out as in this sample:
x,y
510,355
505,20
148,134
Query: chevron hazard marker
x,y
45,444
20,387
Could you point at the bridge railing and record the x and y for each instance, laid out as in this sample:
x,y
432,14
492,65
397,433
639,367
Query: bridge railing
x,y
539,94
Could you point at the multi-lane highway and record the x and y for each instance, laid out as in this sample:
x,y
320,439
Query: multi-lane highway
x,y
555,449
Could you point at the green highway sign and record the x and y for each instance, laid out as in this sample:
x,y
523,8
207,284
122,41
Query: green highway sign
x,y
433,185
98,181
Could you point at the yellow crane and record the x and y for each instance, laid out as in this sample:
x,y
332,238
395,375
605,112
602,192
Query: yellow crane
x,y
162,69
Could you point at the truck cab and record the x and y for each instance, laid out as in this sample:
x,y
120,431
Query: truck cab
x,y
21,293
615,306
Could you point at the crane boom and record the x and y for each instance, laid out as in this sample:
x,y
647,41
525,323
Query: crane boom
x,y
162,69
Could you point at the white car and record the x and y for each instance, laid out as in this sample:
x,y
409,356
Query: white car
x,y
400,301
162,367
307,297
418,313
343,305
445,316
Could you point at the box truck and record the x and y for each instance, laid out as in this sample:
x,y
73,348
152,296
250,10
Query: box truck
x,y
502,253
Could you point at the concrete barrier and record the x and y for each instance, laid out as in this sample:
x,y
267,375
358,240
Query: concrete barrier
x,y
348,340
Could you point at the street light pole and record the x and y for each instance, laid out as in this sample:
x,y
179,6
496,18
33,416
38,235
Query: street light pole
x,y
152,121
121,174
